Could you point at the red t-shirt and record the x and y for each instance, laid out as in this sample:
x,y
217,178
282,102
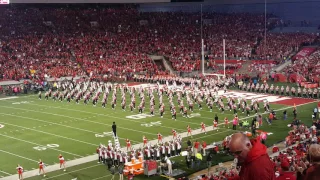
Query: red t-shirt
x,y
196,145
287,176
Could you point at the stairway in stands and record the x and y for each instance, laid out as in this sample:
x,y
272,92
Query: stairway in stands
x,y
244,68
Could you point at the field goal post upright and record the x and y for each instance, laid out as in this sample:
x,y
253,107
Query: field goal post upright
x,y
224,64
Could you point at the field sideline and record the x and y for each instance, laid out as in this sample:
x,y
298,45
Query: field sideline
x,y
36,129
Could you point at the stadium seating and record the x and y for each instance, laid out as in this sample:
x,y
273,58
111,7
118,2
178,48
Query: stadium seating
x,y
57,42
307,67
280,45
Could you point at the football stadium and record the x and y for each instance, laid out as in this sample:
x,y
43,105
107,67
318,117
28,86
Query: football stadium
x,y
159,89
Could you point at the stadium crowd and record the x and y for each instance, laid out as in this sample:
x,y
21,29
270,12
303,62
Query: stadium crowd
x,y
308,67
37,43
57,42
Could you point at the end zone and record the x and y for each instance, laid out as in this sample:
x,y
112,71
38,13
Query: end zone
x,y
295,101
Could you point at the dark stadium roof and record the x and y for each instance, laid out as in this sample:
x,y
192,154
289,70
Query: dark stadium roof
x,y
158,1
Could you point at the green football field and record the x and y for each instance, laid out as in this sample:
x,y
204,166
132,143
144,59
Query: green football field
x,y
34,129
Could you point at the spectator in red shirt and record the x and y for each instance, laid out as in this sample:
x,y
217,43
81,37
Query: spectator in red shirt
x,y
252,157
275,149
196,146
285,174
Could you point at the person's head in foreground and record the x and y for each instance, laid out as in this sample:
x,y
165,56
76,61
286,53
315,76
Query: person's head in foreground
x,y
314,153
313,172
240,146
253,158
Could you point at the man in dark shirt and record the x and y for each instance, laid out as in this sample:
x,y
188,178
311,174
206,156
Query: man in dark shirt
x,y
189,143
216,118
114,129
209,160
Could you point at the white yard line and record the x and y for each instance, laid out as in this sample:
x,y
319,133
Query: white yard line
x,y
94,157
98,115
170,127
218,132
18,156
5,173
68,172
80,119
102,177
38,145
177,120
14,97
57,124
51,134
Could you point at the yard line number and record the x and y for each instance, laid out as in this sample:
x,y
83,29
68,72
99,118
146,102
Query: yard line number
x,y
195,115
139,116
1,126
104,134
43,148
157,123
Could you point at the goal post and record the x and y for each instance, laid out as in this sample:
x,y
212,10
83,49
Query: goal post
x,y
224,61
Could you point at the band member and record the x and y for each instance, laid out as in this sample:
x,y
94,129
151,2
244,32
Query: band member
x,y
299,92
315,93
277,90
151,110
282,90
185,113
161,110
248,108
103,103
62,162
174,114
46,96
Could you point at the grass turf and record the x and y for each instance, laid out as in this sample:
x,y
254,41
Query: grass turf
x,y
33,129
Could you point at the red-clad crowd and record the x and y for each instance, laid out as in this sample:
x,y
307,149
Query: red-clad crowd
x,y
262,67
281,45
39,42
307,67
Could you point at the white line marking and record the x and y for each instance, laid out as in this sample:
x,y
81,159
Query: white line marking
x,y
94,122
52,134
102,177
73,171
18,155
51,123
39,145
8,98
6,173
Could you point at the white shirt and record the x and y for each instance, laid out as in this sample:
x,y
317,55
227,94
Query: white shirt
x,y
168,161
